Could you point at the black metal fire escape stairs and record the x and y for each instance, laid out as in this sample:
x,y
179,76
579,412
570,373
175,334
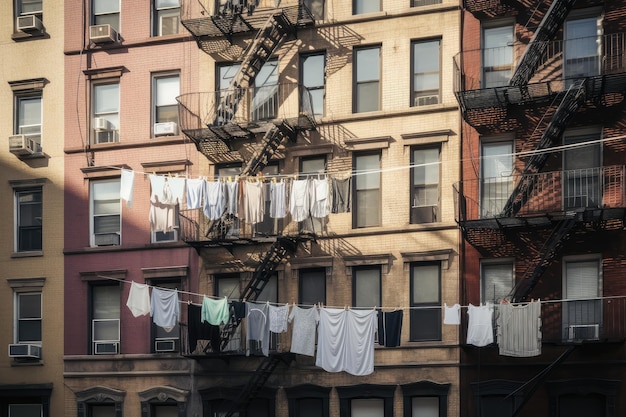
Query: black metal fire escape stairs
x,y
549,252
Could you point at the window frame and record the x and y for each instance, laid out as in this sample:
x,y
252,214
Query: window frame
x,y
357,221
432,308
93,287
498,184
92,215
156,77
425,389
357,82
157,15
494,262
318,274
485,57
415,94
304,70
18,319
415,213
95,17
175,332
366,391
356,270
113,135
19,99
307,392
17,192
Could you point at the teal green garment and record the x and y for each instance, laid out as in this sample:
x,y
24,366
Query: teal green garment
x,y
215,312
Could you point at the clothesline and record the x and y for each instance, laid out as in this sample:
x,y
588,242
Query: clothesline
x,y
541,301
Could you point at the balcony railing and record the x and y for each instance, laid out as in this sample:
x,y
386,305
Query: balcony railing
x,y
556,191
572,59
588,320
201,113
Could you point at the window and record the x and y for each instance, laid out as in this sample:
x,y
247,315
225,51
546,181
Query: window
x,y
366,93
497,56
312,165
29,220
228,285
583,397
25,410
106,213
312,286
425,302
313,79
425,185
28,116
106,112
583,46
496,280
107,12
496,177
29,7
163,401
163,341
28,317
419,3
105,319
426,72
217,402
308,401
365,6
497,398
100,402
367,190
425,399
366,400
165,17
265,99
581,169
165,90
366,283
316,7
582,317
269,225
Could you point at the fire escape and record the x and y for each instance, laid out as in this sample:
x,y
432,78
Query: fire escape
x,y
532,86
235,123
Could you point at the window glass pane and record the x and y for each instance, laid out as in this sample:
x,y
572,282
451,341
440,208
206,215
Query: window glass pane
x,y
426,71
582,279
106,191
270,292
367,407
425,406
228,287
312,287
425,284
31,6
367,172
226,74
368,67
310,407
168,22
313,165
367,287
106,6
106,302
497,281
167,89
313,70
30,306
497,55
366,6
167,3
108,19
367,96
107,98
25,410
166,410
29,113
102,410
29,331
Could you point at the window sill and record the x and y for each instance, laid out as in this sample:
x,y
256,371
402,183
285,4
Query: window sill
x,y
26,362
27,254
21,36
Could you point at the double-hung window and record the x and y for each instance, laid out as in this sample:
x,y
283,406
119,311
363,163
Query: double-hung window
x,y
28,117
28,321
165,17
265,95
311,166
105,319
107,12
366,286
583,45
316,7
496,279
582,312
365,6
165,89
106,213
312,286
166,341
425,171
367,190
29,220
313,78
106,112
497,55
366,80
425,301
496,176
582,169
28,18
426,72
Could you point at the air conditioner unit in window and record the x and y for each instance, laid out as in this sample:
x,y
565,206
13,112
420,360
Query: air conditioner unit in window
x,y
100,123
424,214
29,23
23,145
583,332
165,129
165,345
106,348
22,350
426,100
106,239
103,34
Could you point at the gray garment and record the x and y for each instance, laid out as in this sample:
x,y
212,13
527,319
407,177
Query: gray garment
x,y
340,195
258,326
304,329
519,329
164,308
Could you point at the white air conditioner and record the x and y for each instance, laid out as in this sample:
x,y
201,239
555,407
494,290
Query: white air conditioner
x,y
165,345
165,129
107,239
426,100
23,145
106,348
103,34
21,350
100,123
29,23
584,332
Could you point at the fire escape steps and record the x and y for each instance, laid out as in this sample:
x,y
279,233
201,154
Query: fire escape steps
x,y
549,26
572,100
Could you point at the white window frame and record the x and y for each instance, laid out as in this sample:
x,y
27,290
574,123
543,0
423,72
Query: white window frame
x,y
501,57
576,308
32,131
158,13
495,262
573,45
112,115
18,319
158,101
18,220
93,215
94,320
96,15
